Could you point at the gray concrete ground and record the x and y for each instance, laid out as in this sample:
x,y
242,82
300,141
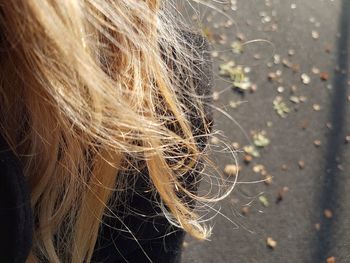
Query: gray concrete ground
x,y
307,153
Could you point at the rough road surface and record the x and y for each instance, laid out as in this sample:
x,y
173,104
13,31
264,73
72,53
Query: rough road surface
x,y
292,99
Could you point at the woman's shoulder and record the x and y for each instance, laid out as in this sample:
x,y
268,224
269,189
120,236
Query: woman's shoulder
x,y
16,221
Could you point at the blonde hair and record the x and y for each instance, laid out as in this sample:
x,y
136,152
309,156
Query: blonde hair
x,y
85,84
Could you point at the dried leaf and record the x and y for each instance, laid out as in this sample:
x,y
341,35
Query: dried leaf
x,y
235,145
247,158
324,76
216,96
235,104
328,213
263,200
258,168
237,47
317,143
294,99
268,179
245,210
281,194
291,52
225,69
280,107
231,169
236,74
250,149
305,79
260,139
315,34
214,140
242,84
315,70
347,139
271,243
316,107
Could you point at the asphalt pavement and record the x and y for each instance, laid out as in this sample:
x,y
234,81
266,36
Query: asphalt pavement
x,y
290,100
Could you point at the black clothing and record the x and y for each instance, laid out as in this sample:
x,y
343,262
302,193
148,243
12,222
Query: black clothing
x,y
158,239
16,221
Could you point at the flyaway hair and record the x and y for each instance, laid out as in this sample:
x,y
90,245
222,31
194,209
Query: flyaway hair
x,y
85,87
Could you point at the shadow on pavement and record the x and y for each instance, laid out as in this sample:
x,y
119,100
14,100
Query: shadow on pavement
x,y
330,193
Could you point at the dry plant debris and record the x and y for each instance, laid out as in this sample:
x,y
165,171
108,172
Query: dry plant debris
x,y
260,139
251,150
264,201
281,107
281,194
231,169
328,213
330,260
290,87
245,210
271,243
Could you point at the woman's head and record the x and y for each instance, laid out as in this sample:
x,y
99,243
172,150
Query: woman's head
x,y
84,86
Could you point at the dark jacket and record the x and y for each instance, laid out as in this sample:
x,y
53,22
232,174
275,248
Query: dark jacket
x,y
156,237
